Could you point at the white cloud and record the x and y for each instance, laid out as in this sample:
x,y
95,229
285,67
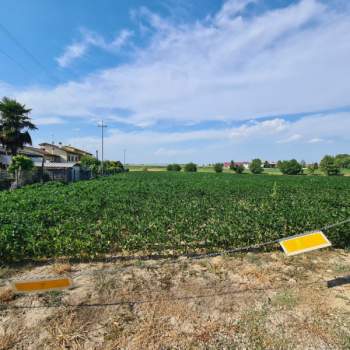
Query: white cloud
x,y
228,67
283,61
316,140
90,39
48,121
294,139
71,53
255,129
230,10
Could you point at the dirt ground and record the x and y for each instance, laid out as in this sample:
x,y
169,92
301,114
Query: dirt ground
x,y
245,301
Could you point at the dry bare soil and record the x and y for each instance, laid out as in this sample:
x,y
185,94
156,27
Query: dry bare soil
x,y
248,301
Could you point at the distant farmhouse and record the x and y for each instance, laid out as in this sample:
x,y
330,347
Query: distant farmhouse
x,y
57,162
245,164
62,154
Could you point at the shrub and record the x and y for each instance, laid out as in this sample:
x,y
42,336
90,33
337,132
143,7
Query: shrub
x,y
90,163
312,168
290,167
191,167
173,167
112,166
343,160
239,169
329,166
19,163
20,166
256,166
218,167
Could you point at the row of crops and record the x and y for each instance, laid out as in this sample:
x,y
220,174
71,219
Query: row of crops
x,y
157,211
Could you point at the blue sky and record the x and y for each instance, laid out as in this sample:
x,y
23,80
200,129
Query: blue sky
x,y
179,80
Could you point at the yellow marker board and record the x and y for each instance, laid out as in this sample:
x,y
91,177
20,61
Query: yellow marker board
x,y
304,243
43,285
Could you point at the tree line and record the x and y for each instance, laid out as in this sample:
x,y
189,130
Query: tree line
x,y
329,165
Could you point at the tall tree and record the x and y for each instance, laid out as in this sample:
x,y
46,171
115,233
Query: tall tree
x,y
256,166
329,166
290,167
15,124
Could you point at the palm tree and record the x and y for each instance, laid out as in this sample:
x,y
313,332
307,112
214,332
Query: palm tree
x,y
14,125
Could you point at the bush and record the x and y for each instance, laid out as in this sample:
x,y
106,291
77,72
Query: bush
x,y
239,169
343,160
329,166
290,167
19,163
113,167
91,164
256,166
21,166
173,167
312,168
218,167
191,167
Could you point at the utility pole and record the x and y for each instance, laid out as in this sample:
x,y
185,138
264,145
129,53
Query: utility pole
x,y
124,156
102,126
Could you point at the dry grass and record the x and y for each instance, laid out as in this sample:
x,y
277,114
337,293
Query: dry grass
x,y
10,335
70,329
254,301
61,269
6,295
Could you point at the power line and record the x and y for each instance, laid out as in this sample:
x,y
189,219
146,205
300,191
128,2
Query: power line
x,y
28,53
102,126
13,60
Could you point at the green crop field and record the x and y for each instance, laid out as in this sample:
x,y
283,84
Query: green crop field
x,y
153,211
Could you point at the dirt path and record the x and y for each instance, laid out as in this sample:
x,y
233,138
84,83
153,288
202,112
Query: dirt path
x,y
250,301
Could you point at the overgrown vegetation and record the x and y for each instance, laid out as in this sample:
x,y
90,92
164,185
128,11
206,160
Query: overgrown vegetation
x,y
236,167
155,211
330,166
290,167
218,167
20,165
191,167
173,167
256,166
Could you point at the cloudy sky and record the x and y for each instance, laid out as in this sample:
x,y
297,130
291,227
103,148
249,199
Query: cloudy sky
x,y
181,80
